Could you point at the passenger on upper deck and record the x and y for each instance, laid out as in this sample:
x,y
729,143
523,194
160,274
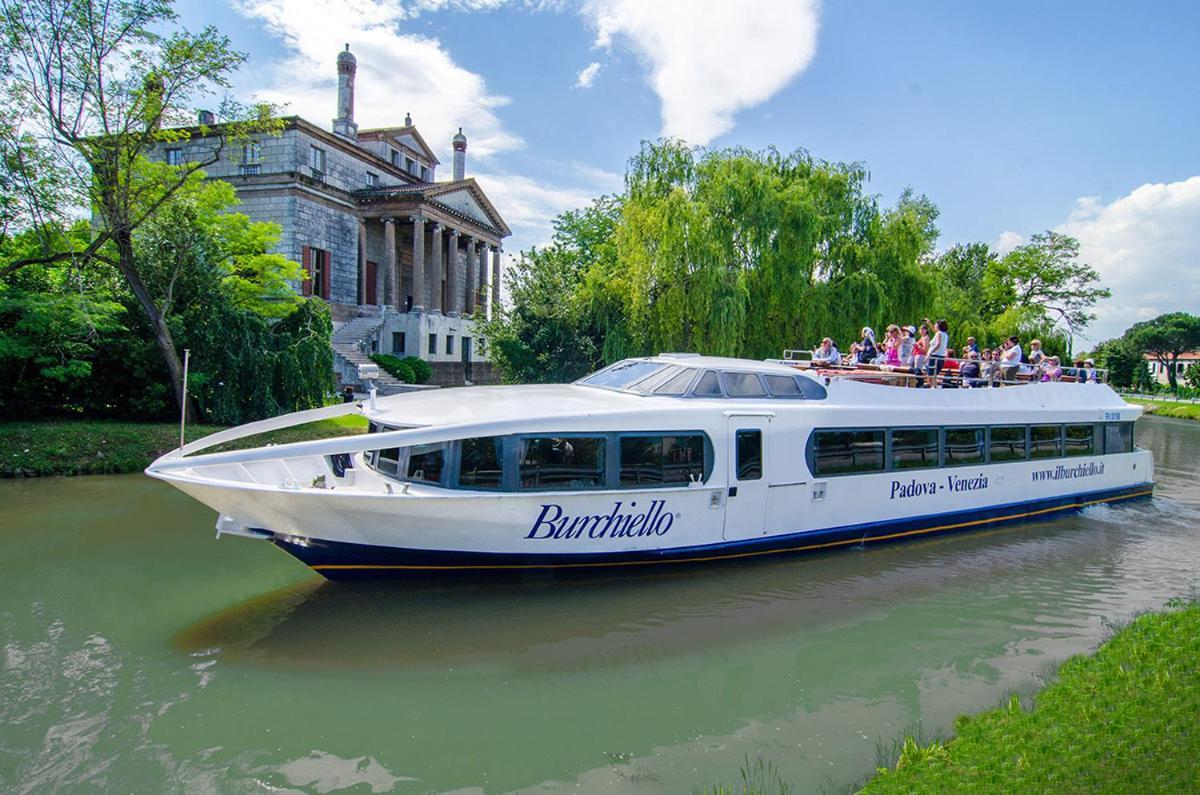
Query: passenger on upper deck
x,y
826,353
864,352
907,342
971,372
1088,373
894,344
1010,359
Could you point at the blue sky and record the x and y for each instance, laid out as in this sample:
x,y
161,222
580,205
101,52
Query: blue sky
x,y
1013,117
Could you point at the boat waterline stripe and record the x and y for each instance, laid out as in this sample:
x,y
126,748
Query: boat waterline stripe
x,y
732,556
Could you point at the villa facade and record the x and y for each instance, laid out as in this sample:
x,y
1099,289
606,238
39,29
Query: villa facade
x,y
403,259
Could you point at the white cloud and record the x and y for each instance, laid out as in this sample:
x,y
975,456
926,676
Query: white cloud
x,y
1146,247
587,75
1007,241
706,65
398,72
529,206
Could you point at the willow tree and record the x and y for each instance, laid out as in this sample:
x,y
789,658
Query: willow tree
x,y
96,86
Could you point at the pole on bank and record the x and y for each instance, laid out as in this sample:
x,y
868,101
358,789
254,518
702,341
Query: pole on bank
x,y
183,402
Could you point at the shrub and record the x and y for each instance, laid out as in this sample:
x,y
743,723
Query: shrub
x,y
395,367
420,369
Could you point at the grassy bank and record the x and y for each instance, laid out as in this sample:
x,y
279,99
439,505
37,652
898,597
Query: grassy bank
x,y
96,447
1167,408
1121,720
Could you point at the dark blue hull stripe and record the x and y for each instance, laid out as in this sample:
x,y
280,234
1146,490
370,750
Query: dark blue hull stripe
x,y
338,560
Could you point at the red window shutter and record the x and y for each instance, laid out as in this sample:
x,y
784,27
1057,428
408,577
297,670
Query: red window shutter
x,y
326,276
306,262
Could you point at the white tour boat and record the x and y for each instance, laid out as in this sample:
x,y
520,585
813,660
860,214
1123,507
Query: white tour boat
x,y
668,459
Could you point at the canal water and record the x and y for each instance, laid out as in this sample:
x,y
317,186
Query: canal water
x,y
140,655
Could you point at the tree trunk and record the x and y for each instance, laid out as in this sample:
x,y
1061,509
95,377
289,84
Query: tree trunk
x,y
1171,377
158,324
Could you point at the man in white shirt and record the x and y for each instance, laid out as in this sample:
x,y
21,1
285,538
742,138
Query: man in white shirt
x,y
827,353
1010,359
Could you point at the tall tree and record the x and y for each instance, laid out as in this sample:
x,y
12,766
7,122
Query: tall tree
x,y
95,86
1045,275
1166,338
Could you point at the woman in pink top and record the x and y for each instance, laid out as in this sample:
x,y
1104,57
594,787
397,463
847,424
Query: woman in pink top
x,y
892,354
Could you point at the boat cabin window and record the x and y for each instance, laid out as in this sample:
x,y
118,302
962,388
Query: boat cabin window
x,y
480,463
426,462
623,374
1118,437
742,385
562,462
708,385
651,383
964,446
783,386
1008,443
838,452
749,454
1081,439
1045,441
388,461
915,448
661,460
679,383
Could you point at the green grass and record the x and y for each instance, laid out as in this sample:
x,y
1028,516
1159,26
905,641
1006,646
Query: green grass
x,y
1125,719
1164,408
96,447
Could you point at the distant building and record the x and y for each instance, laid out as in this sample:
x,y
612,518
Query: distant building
x,y
402,258
1159,371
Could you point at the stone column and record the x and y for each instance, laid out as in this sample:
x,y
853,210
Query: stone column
x,y
435,269
391,264
472,274
418,222
496,254
362,261
454,281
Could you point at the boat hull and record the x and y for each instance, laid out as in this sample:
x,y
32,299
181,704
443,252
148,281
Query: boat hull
x,y
342,560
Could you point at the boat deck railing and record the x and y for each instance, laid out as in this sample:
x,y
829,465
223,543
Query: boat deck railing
x,y
948,377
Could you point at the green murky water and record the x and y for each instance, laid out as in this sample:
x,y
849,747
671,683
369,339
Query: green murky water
x,y
139,655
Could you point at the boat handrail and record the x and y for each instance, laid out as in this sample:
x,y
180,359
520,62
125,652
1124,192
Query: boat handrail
x,y
892,373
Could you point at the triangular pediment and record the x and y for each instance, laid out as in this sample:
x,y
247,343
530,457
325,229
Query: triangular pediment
x,y
467,198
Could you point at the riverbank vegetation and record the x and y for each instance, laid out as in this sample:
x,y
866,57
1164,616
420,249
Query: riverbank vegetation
x,y
740,253
100,447
1120,720
95,315
1168,408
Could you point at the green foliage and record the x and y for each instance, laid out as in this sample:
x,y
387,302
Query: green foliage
x,y
1169,408
410,369
1121,720
757,778
740,253
395,367
421,369
1124,362
1191,376
1166,337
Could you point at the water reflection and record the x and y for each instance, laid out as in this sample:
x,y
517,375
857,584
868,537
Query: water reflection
x,y
547,624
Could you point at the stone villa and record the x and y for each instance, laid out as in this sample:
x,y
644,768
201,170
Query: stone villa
x,y
403,259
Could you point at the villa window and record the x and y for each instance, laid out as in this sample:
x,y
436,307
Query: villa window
x,y
433,344
372,180
424,174
251,153
174,157
316,161
449,344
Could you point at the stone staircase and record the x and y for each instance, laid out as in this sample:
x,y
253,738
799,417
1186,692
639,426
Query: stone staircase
x,y
352,343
